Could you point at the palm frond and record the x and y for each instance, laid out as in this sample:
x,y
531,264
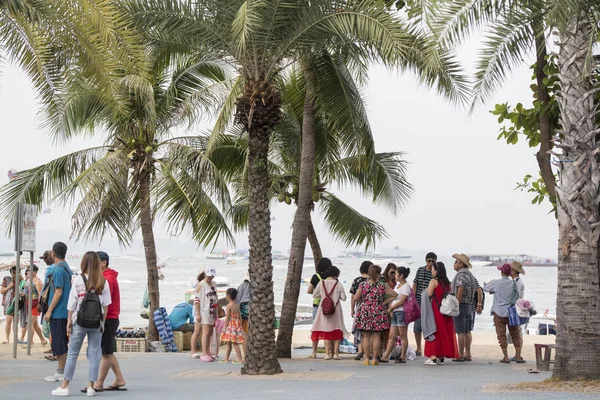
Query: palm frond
x,y
348,225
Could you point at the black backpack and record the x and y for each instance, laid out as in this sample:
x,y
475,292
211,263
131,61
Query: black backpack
x,y
90,312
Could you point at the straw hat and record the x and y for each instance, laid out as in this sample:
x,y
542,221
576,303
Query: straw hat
x,y
463,258
517,266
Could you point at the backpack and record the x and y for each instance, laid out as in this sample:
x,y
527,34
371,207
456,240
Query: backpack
x,y
327,304
43,304
450,305
90,311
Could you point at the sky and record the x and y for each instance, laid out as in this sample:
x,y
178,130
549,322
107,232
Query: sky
x,y
464,178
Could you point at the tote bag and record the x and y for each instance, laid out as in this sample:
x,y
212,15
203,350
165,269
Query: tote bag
x,y
412,311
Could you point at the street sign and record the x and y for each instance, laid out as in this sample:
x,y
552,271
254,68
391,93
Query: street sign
x,y
26,222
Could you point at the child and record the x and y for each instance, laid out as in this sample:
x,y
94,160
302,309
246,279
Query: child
x,y
233,333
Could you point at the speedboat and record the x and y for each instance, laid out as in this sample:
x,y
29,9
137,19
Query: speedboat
x,y
541,325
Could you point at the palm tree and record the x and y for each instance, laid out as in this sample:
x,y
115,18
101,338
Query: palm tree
x,y
516,28
259,38
578,192
343,158
51,39
141,172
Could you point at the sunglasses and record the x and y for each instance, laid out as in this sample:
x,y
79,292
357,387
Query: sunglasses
x,y
392,273
431,261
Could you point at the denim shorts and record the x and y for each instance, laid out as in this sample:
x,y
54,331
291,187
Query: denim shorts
x,y
398,318
462,322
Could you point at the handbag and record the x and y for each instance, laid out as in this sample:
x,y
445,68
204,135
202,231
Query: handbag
x,y
220,312
514,319
450,305
412,311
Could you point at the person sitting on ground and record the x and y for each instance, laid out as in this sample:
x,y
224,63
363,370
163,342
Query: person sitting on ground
x,y
396,310
182,317
330,328
322,265
505,295
233,334
355,305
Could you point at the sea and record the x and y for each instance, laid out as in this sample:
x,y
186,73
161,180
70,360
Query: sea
x,y
181,270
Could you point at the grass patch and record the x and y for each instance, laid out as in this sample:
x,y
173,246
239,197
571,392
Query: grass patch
x,y
554,385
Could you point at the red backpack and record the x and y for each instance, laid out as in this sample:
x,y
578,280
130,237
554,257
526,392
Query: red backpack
x,y
327,304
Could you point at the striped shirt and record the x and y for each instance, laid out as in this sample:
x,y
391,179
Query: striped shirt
x,y
422,281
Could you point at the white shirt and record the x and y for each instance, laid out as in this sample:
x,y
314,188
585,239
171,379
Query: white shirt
x,y
520,287
78,293
401,290
206,295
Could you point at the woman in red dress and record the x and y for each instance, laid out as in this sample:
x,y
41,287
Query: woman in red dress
x,y
444,345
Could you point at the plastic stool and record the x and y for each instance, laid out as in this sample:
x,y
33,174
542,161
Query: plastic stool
x,y
543,364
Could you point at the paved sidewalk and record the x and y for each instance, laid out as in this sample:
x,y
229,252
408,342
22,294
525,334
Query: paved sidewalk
x,y
177,376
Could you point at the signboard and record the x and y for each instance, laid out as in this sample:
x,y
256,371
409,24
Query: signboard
x,y
26,222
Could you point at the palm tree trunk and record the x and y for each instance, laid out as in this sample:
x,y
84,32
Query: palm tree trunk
x,y
301,221
578,194
146,223
546,124
259,110
313,240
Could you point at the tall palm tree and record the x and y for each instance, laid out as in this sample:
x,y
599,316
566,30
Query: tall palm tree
x,y
517,27
141,172
578,192
259,38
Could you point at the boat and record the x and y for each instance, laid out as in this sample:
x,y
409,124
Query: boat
x,y
215,256
279,255
484,260
303,313
541,325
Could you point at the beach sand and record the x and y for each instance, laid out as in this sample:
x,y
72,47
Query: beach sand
x,y
485,345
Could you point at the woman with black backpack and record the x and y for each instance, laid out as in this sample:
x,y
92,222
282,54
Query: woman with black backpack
x,y
328,324
88,303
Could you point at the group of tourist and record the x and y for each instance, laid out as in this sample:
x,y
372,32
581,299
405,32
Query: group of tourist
x,y
380,326
74,307
202,316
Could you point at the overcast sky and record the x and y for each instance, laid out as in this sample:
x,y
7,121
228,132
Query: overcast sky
x,y
464,178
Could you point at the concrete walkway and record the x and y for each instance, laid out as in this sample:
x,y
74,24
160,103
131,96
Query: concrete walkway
x,y
177,376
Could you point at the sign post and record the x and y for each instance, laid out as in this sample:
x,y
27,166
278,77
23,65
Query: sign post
x,y
25,226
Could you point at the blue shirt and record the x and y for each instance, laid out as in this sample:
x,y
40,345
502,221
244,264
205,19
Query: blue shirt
x,y
49,271
61,278
505,294
181,314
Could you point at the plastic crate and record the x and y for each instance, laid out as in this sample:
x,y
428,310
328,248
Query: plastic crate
x,y
131,345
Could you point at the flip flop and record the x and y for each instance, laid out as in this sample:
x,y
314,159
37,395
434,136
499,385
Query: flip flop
x,y
504,361
50,358
467,359
115,388
521,361
458,360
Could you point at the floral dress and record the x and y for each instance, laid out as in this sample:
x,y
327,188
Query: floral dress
x,y
233,331
372,315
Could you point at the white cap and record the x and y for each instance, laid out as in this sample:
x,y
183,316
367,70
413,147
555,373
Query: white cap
x,y
247,276
209,271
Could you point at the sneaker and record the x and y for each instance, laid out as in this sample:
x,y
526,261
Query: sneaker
x,y
91,392
431,362
60,392
55,377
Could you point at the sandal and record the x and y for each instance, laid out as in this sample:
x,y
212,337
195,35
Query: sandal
x,y
337,357
383,360
312,356
521,361
467,359
359,356
458,359
505,361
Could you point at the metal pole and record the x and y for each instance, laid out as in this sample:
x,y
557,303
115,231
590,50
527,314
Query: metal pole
x,y
29,311
18,225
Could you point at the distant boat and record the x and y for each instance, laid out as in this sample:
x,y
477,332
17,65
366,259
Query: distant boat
x,y
279,255
215,256
485,260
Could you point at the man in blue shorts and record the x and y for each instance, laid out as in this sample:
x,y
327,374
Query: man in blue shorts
x,y
57,314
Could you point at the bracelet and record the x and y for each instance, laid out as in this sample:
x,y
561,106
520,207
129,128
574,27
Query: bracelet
x,y
478,304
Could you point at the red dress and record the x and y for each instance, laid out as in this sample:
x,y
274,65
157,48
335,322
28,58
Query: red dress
x,y
444,344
